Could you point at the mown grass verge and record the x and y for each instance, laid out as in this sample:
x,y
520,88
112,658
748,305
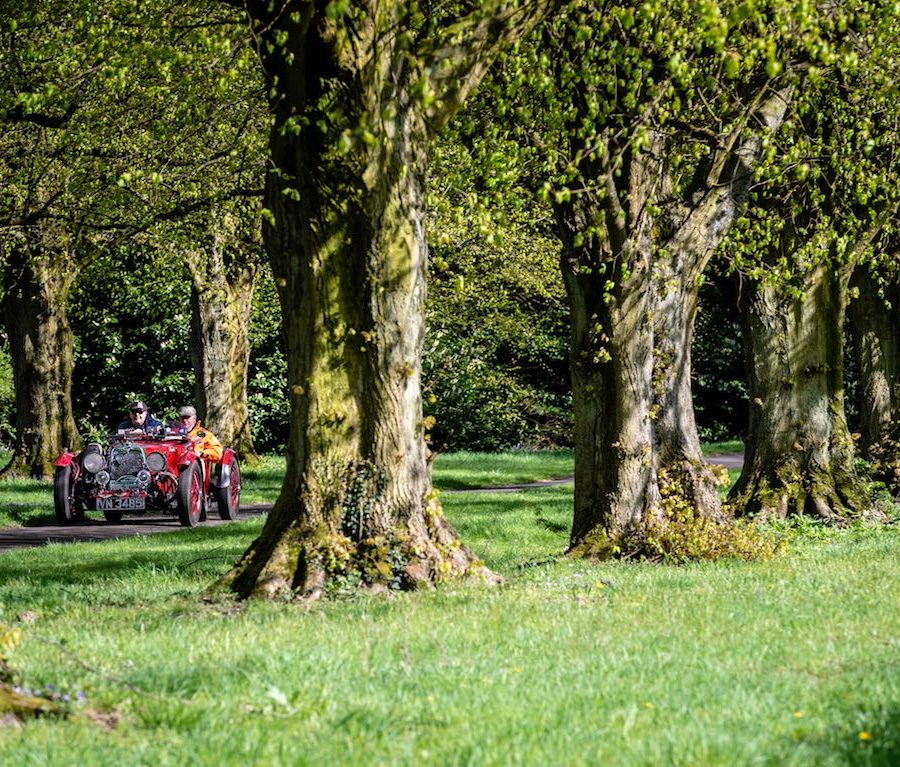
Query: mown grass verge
x,y
793,661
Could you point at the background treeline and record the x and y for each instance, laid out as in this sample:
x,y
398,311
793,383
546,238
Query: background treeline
x,y
496,360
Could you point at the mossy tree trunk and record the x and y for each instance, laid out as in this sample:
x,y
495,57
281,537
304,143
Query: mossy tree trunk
x,y
694,232
633,292
355,100
608,282
37,280
223,275
875,324
800,455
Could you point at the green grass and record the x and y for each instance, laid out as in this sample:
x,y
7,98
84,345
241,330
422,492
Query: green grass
x,y
463,470
780,663
714,448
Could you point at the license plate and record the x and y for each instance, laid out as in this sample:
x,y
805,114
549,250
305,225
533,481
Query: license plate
x,y
117,503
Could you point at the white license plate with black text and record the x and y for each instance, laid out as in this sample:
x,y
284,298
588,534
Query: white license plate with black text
x,y
116,503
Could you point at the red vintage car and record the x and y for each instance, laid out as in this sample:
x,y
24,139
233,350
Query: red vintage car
x,y
138,472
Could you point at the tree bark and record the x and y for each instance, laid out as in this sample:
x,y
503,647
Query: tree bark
x,y
353,108
875,324
36,286
608,282
679,265
800,455
222,276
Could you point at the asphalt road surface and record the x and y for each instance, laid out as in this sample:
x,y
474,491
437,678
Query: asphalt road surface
x,y
97,530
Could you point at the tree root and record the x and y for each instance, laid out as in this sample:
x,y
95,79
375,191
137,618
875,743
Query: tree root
x,y
22,707
304,561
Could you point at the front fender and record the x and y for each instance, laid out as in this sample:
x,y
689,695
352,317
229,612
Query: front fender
x,y
188,459
222,476
65,459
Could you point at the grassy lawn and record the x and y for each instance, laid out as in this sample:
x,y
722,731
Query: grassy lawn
x,y
789,662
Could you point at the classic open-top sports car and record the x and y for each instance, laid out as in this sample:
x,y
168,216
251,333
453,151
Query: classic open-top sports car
x,y
138,471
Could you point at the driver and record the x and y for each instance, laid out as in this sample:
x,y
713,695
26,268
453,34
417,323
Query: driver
x,y
205,442
138,419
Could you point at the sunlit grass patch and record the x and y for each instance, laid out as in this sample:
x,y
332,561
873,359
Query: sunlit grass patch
x,y
567,663
464,470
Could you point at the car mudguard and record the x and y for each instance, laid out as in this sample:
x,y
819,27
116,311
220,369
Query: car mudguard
x,y
188,459
222,477
65,459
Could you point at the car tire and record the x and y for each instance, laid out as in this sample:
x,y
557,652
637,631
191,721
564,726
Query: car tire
x,y
189,497
68,511
228,499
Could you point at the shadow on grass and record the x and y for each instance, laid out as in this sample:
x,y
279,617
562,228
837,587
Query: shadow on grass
x,y
869,736
28,487
72,566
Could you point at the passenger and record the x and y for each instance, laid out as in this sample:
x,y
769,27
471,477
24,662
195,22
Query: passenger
x,y
139,419
205,442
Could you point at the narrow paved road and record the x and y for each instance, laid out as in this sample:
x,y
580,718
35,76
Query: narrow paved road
x,y
96,530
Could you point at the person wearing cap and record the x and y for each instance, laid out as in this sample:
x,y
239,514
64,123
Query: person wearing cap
x,y
205,442
139,419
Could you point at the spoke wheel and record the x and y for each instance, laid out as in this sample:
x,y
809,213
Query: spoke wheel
x,y
189,497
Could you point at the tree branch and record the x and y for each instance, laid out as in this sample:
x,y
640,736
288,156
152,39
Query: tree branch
x,y
456,62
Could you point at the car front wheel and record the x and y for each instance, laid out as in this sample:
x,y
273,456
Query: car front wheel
x,y
189,497
228,499
67,510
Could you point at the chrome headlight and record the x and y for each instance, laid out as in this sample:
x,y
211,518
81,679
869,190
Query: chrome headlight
x,y
143,478
102,478
92,459
156,461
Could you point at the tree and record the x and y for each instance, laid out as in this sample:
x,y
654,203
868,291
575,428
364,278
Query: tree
x,y
495,364
39,271
650,121
357,90
875,323
130,315
223,266
825,193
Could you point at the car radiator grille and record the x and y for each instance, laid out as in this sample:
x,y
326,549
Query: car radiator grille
x,y
124,462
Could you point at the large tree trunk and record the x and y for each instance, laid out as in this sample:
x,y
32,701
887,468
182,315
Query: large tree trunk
x,y
221,300
635,433
800,455
610,292
349,146
678,270
36,285
875,324
353,307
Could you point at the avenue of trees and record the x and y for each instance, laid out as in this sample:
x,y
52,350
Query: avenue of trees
x,y
262,202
